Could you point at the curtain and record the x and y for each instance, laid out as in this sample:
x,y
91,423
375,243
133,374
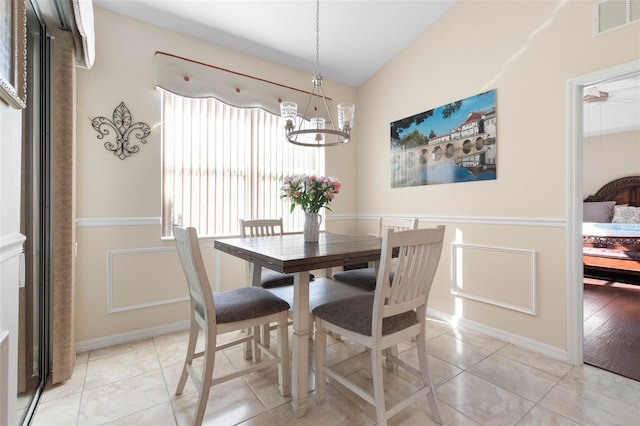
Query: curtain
x,y
63,207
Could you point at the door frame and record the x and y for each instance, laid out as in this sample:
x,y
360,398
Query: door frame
x,y
575,273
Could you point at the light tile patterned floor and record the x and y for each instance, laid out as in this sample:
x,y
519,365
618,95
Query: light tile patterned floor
x,y
479,381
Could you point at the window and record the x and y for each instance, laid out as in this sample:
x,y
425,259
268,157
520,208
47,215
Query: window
x,y
222,163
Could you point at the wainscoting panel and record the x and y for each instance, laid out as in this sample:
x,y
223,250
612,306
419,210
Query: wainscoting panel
x,y
498,276
144,277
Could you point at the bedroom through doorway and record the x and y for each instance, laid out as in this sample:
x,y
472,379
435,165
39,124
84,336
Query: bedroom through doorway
x,y
610,150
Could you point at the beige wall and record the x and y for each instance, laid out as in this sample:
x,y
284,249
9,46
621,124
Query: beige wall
x,y
527,51
127,277
608,157
515,225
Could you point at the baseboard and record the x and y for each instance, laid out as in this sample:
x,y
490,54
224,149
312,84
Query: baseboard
x,y
130,336
530,344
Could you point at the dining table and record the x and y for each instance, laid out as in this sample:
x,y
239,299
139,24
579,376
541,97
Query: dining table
x,y
289,253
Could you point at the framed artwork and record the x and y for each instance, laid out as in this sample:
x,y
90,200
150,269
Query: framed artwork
x,y
455,142
13,76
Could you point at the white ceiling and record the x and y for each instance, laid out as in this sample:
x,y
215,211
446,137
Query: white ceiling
x,y
357,37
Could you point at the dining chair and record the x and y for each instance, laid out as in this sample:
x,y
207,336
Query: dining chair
x,y
381,319
364,276
268,278
224,312
262,228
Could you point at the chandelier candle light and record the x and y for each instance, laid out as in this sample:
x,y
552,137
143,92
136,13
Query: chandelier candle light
x,y
320,133
311,193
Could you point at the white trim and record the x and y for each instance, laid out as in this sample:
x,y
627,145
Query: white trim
x,y
130,336
479,220
508,221
110,254
575,277
11,246
459,292
118,221
515,339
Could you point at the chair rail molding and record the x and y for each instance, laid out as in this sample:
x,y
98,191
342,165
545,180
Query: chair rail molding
x,y
117,221
480,220
11,246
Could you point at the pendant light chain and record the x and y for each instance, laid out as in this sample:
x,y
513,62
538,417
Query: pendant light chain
x,y
322,125
317,37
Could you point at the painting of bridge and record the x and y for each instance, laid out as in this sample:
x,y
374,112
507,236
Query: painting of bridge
x,y
452,143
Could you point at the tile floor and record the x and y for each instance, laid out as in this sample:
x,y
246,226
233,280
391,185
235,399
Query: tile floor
x,y
479,381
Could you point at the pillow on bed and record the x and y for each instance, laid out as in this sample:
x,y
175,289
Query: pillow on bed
x,y
626,214
599,212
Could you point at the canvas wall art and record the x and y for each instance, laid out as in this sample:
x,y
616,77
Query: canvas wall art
x,y
452,143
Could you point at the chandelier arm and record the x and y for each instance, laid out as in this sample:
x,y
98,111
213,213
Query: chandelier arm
x,y
314,94
326,106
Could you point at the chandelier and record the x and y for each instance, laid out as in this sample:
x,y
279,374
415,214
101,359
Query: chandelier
x,y
320,132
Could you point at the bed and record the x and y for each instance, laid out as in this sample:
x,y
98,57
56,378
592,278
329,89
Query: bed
x,y
611,230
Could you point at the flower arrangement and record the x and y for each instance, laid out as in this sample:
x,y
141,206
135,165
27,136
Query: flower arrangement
x,y
310,192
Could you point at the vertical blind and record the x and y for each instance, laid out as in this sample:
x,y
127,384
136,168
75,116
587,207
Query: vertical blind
x,y
222,164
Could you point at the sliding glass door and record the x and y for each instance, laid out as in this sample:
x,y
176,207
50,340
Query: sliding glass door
x,y
33,309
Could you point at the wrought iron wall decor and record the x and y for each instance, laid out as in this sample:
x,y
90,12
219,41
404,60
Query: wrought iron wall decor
x,y
123,129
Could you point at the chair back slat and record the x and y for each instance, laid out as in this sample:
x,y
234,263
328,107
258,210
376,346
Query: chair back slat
x,y
260,227
188,248
397,224
417,256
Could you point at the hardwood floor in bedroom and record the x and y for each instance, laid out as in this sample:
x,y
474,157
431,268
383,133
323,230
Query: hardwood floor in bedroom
x,y
612,326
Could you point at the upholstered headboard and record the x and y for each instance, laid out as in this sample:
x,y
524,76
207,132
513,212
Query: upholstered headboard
x,y
624,190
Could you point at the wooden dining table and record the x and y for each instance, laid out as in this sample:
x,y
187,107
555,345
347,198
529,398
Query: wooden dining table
x,y
290,254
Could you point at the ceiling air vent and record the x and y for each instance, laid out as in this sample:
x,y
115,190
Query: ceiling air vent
x,y
612,14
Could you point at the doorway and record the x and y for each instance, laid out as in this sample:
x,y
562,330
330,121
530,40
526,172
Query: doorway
x,y
575,300
611,302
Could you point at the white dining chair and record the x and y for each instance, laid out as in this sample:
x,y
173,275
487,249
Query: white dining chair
x,y
364,276
269,279
263,228
218,313
384,318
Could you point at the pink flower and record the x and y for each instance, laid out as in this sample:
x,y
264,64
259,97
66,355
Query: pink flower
x,y
310,192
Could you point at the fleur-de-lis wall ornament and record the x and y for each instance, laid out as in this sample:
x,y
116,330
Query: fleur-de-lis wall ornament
x,y
121,125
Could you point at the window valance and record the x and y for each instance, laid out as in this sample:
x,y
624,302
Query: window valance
x,y
193,79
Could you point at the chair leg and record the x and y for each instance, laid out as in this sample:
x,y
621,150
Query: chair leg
x,y
247,346
207,376
191,349
421,345
367,367
266,336
284,372
393,351
257,354
321,360
378,386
